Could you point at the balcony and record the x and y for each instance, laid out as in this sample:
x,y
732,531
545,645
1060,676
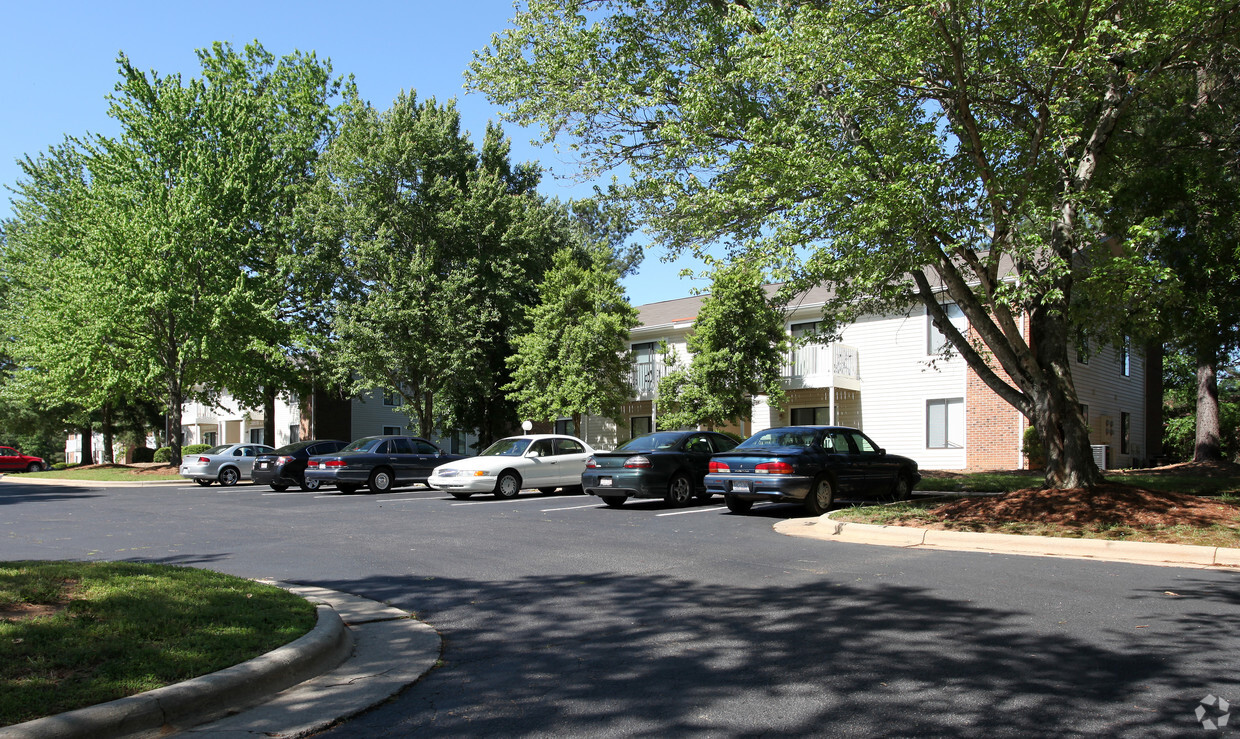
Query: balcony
x,y
823,365
645,377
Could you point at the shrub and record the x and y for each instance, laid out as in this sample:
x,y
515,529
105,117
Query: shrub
x,y
162,454
64,465
143,454
1031,447
195,448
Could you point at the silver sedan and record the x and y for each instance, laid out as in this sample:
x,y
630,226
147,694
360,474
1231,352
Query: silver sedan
x,y
226,464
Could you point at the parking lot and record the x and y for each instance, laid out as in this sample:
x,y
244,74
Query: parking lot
x,y
562,616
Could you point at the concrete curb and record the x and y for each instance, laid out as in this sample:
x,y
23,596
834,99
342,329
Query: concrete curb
x,y
175,707
1149,553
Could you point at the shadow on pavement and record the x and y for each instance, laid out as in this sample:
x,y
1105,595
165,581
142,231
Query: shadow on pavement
x,y
659,655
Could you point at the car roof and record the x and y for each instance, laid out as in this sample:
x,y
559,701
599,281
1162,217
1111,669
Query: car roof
x,y
535,437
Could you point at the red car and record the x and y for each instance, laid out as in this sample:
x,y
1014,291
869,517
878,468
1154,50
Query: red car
x,y
12,460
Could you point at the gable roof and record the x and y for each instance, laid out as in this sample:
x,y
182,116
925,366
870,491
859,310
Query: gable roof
x,y
683,311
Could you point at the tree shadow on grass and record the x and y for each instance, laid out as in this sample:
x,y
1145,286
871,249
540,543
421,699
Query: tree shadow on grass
x,y
659,655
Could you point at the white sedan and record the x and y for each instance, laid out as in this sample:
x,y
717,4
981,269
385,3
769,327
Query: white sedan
x,y
543,461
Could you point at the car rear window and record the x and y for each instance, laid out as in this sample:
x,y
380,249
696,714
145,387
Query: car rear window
x,y
780,437
650,443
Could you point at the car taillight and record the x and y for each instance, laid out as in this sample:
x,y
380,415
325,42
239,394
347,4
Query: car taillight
x,y
283,460
334,463
637,463
718,467
591,464
774,468
203,460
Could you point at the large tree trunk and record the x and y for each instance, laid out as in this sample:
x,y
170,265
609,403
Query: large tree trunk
x,y
109,455
1057,412
175,398
269,416
88,454
425,423
1208,447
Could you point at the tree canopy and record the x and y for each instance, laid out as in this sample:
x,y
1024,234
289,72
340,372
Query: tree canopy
x,y
906,152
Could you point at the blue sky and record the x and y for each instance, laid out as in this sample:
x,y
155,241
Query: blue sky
x,y
59,62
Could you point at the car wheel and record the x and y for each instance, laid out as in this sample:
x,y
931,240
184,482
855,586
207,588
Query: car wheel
x,y
311,485
461,496
737,505
347,489
508,485
613,501
679,491
821,496
380,480
34,467
229,476
202,482
546,491
279,488
903,489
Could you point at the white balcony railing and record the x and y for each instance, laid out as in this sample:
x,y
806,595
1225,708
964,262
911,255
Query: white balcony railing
x,y
645,378
823,362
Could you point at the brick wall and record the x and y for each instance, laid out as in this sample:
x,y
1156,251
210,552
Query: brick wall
x,y
993,436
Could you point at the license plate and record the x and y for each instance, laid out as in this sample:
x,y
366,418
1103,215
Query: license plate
x,y
322,465
741,486
261,465
605,481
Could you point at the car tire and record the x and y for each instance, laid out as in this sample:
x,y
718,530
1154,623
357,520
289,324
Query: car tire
x,y
821,496
614,501
347,489
380,480
34,467
311,485
902,489
202,482
279,488
737,505
461,496
229,476
679,491
546,491
508,485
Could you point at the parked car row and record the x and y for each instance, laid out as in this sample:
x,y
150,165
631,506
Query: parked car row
x,y
811,465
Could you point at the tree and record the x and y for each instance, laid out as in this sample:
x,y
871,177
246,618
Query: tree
x,y
1180,183
574,359
929,152
739,347
440,245
149,264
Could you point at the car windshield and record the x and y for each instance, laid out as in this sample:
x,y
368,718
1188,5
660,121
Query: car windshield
x,y
289,448
513,447
218,449
364,444
787,436
650,442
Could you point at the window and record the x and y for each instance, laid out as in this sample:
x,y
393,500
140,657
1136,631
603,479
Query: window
x,y
208,438
820,416
391,430
565,426
294,434
936,342
423,447
1125,427
1125,357
945,423
723,443
639,425
541,448
568,446
698,444
256,436
400,446
390,398
458,442
861,444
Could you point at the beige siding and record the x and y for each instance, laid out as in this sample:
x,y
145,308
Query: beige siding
x,y
1102,387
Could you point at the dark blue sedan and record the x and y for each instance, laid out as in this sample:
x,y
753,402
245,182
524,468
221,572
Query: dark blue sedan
x,y
809,464
666,464
379,463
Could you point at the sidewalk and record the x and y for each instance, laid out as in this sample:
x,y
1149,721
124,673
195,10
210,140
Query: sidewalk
x,y
1148,553
359,654
24,480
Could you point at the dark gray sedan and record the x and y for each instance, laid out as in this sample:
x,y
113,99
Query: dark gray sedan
x,y
379,463
666,464
809,464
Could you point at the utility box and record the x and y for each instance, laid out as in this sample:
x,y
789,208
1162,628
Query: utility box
x,y
1101,454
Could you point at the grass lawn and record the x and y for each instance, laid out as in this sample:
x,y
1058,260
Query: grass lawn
x,y
73,634
112,473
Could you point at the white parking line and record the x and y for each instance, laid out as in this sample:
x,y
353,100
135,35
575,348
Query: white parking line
x,y
526,499
571,508
692,510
